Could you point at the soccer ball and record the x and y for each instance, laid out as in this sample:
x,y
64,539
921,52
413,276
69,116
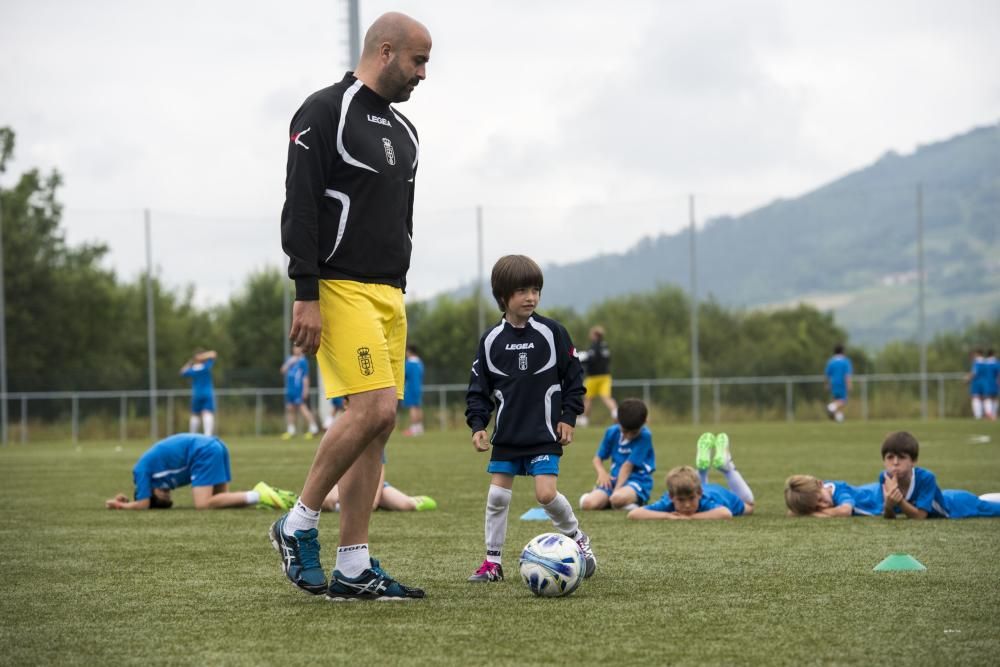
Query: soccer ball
x,y
552,565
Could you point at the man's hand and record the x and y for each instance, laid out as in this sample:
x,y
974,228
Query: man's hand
x,y
481,441
565,432
307,325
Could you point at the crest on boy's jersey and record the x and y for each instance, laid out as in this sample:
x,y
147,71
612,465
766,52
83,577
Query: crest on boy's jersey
x,y
390,153
522,361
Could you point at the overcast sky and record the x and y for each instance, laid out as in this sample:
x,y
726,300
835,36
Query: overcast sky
x,y
580,126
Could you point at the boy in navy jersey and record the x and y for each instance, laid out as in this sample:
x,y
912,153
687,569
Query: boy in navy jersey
x,y
629,445
525,368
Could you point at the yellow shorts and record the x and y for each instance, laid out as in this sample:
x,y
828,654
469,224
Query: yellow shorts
x,y
363,346
597,385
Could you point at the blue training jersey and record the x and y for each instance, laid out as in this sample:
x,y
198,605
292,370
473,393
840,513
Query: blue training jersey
x,y
296,375
201,377
865,500
712,496
837,370
168,463
991,369
923,493
638,452
413,373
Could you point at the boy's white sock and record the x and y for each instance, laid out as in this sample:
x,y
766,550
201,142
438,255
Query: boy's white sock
x,y
497,506
990,497
209,420
313,428
831,407
977,408
352,560
193,424
300,518
561,513
991,408
839,417
253,497
736,483
290,430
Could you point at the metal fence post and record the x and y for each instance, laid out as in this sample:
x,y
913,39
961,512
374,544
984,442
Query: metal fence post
x,y
442,408
645,393
940,379
258,414
864,399
123,418
169,426
24,419
76,418
716,401
789,414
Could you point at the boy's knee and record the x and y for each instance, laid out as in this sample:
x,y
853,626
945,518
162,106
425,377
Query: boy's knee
x,y
620,499
590,502
545,496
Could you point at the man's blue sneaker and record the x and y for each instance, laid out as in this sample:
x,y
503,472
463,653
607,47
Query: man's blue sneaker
x,y
299,557
372,584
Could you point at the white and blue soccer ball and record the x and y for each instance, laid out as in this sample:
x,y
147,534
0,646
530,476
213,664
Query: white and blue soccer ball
x,y
552,565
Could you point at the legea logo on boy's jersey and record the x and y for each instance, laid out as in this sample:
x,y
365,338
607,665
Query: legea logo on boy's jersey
x,y
297,138
379,120
522,361
520,346
390,154
365,361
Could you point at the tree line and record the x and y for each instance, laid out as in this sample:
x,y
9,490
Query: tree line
x,y
73,324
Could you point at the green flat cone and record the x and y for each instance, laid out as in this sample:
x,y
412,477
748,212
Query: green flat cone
x,y
900,563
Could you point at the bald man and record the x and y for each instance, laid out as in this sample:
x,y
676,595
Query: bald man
x,y
346,227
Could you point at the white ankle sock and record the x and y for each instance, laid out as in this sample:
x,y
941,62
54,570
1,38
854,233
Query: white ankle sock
x,y
352,560
253,497
194,423
209,420
300,518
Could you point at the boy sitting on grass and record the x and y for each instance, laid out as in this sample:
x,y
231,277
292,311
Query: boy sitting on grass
x,y
806,495
629,445
914,492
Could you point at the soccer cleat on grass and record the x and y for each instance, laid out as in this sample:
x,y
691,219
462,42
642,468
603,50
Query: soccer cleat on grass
x,y
372,584
270,497
425,503
488,571
287,436
583,542
703,459
299,557
309,436
721,458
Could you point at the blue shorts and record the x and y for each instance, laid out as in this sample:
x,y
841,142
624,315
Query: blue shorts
x,y
642,488
839,395
292,399
543,464
965,505
337,402
412,396
210,464
202,403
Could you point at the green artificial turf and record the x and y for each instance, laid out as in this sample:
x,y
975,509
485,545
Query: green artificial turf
x,y
84,585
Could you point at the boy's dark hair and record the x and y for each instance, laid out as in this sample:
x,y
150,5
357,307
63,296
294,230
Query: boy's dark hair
x,y
901,443
838,348
632,414
157,503
511,273
989,352
413,348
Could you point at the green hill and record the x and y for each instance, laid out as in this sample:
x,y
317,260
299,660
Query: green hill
x,y
849,246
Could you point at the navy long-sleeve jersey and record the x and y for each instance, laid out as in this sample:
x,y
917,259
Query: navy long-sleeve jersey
x,y
533,379
348,212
